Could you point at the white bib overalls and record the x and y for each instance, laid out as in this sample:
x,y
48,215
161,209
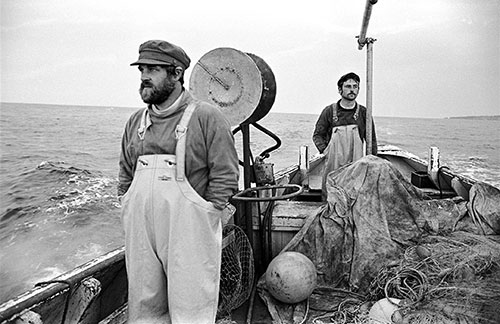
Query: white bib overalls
x,y
345,146
173,242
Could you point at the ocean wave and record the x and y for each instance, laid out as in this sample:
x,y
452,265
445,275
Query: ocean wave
x,y
10,212
83,191
16,212
477,159
477,168
53,187
80,187
61,167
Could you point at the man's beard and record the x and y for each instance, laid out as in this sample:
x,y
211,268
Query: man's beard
x,y
151,94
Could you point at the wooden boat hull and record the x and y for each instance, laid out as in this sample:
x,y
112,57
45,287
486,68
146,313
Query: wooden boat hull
x,y
87,294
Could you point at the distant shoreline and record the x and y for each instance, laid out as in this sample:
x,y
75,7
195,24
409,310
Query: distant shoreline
x,y
492,117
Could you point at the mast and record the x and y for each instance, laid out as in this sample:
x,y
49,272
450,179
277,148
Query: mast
x,y
362,41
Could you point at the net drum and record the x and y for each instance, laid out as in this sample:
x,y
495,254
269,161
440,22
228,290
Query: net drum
x,y
241,84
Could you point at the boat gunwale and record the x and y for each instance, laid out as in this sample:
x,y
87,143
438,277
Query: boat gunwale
x,y
59,285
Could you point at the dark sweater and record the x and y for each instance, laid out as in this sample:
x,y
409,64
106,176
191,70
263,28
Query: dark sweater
x,y
324,125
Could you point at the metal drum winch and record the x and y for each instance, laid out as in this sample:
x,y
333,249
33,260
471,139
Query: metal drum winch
x,y
243,86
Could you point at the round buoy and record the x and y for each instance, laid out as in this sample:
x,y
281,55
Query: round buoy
x,y
381,312
291,277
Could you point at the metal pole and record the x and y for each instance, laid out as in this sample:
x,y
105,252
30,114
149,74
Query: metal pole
x,y
247,167
362,40
369,91
366,20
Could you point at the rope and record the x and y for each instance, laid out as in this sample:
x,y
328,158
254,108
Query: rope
x,y
250,307
439,181
409,284
306,312
347,312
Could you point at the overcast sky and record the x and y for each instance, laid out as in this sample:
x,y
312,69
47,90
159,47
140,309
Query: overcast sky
x,y
432,58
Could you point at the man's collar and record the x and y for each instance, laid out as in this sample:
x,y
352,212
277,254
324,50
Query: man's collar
x,y
170,109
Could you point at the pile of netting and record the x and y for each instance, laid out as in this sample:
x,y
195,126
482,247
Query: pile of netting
x,y
380,240
444,279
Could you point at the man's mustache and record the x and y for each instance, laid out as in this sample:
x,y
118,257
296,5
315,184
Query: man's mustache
x,y
146,84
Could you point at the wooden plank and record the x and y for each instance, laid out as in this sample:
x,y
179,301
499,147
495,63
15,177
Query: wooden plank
x,y
79,304
288,219
289,215
114,288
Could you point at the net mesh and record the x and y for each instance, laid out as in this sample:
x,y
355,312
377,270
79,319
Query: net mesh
x,y
237,270
457,282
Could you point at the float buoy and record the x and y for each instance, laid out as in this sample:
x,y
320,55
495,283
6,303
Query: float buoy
x,y
383,310
291,277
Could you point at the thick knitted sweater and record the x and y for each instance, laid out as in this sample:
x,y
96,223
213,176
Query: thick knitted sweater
x,y
211,165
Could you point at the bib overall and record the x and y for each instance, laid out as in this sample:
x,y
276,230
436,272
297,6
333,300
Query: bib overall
x,y
345,146
173,242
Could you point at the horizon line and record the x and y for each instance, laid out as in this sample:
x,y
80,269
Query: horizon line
x,y
272,112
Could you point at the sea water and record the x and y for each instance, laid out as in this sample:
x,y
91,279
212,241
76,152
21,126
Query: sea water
x,y
59,166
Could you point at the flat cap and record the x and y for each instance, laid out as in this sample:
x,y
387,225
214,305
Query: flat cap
x,y
348,76
159,52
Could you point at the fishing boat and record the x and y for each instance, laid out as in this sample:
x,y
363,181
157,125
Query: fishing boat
x,y
270,214
96,292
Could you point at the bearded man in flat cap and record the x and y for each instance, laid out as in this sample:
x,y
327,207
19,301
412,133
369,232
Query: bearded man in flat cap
x,y
178,168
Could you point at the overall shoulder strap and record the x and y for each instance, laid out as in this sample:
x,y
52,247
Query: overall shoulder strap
x,y
144,124
180,135
335,118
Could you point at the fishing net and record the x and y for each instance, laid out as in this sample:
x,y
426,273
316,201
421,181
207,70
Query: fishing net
x,y
445,279
380,237
237,270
